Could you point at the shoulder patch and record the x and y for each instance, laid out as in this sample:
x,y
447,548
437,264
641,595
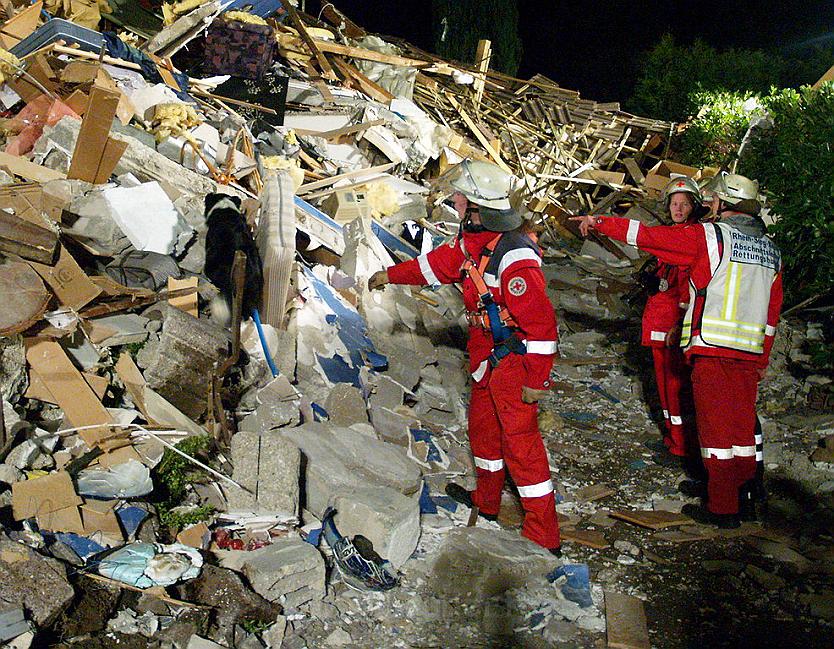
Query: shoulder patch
x,y
517,286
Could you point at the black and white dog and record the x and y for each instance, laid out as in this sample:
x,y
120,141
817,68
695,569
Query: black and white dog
x,y
227,233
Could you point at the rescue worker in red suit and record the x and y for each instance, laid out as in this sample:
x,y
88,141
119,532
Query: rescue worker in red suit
x,y
668,299
728,331
508,378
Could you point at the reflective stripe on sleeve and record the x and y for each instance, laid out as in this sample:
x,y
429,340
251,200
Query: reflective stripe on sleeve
x,y
658,335
536,490
770,331
479,372
540,346
491,281
518,254
428,273
631,235
712,247
675,420
489,465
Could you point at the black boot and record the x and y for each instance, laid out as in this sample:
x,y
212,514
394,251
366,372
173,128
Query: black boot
x,y
464,497
704,516
748,496
693,488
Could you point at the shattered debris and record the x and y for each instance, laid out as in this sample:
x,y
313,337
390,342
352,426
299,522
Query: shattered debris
x,y
188,471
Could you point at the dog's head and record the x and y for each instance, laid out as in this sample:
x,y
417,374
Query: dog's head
x,y
216,201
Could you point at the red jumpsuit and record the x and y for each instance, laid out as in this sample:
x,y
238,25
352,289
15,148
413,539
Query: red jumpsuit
x,y
724,380
664,311
503,430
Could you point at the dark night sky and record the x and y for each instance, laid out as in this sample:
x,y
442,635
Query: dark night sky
x,y
594,46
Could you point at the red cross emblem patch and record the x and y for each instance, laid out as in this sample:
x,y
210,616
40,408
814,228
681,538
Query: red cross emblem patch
x,y
517,286
681,184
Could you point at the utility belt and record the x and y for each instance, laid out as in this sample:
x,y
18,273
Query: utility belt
x,y
481,319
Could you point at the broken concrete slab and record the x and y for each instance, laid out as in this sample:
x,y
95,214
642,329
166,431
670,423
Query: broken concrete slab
x,y
36,582
474,562
268,465
179,365
337,458
345,405
288,571
12,367
388,519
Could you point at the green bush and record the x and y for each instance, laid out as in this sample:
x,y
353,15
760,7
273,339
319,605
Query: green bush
x,y
716,130
671,75
794,162
172,476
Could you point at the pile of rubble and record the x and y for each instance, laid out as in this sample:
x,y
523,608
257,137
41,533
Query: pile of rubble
x,y
168,478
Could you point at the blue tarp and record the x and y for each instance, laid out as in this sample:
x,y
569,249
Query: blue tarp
x,y
577,587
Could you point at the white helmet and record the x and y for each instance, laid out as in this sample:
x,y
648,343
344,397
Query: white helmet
x,y
483,183
489,187
682,185
738,191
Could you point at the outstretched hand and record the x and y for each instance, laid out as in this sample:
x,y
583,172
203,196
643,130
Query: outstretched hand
x,y
586,223
529,395
378,280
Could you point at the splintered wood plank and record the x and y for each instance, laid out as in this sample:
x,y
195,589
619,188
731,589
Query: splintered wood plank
x,y
625,622
364,84
591,538
496,157
654,520
593,492
327,71
92,138
482,57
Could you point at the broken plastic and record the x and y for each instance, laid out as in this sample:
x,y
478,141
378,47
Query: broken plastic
x,y
577,583
130,479
151,564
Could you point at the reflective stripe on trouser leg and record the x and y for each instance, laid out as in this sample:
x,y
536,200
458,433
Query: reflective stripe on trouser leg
x,y
524,453
761,494
668,365
725,399
485,442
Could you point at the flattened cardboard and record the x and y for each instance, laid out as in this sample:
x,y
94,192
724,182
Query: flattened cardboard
x,y
71,286
64,520
43,495
134,383
28,170
78,401
93,136
98,517
113,151
78,101
187,303
37,388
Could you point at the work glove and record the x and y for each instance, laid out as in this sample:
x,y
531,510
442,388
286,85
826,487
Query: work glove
x,y
529,395
378,280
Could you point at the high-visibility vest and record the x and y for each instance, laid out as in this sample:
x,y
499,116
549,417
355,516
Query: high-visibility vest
x,y
731,310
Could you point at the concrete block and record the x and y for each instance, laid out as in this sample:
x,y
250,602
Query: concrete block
x,y
338,459
388,519
288,571
180,366
269,466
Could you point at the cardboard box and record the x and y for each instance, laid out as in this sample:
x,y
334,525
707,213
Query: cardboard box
x,y
662,173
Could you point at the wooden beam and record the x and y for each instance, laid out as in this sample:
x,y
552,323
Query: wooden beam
x,y
478,134
482,58
341,22
327,71
373,90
